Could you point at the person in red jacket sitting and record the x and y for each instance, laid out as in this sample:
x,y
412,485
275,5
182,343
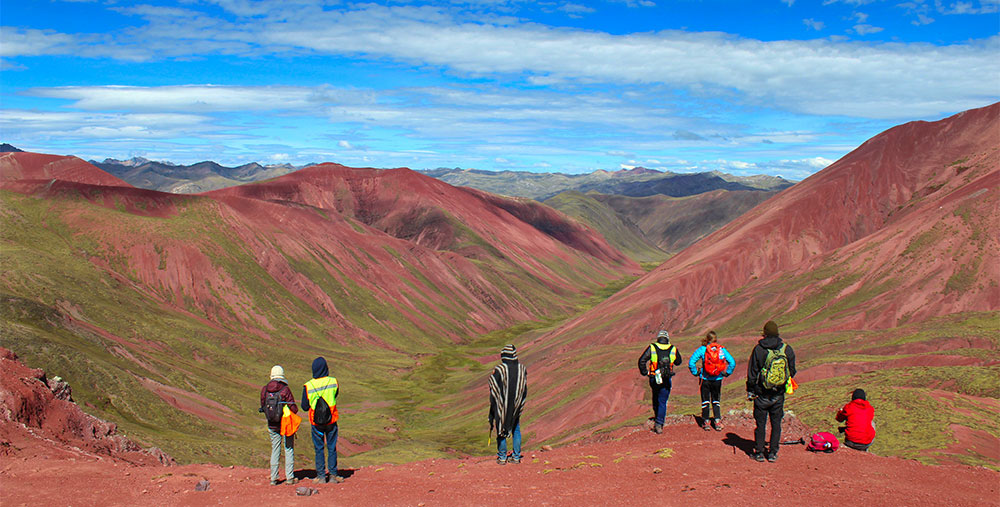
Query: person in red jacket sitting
x,y
859,432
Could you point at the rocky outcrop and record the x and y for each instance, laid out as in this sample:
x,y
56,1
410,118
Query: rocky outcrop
x,y
44,406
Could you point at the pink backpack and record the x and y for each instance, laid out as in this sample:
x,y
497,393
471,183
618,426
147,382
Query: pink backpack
x,y
823,442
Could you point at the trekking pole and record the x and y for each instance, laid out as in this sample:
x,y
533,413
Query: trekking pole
x,y
800,441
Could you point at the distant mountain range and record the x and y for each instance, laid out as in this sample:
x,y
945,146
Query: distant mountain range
x,y
188,179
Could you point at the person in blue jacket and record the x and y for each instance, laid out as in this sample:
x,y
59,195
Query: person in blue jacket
x,y
707,364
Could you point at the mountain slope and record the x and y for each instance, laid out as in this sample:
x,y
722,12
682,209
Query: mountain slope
x,y
892,237
166,311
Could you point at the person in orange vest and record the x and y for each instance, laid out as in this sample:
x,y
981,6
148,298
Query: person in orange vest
x,y
657,362
273,397
319,397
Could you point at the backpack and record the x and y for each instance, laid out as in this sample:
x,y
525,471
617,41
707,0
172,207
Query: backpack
x,y
823,442
774,375
272,407
321,413
715,364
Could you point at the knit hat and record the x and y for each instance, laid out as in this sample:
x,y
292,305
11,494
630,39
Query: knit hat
x,y
278,373
663,336
858,394
770,329
509,352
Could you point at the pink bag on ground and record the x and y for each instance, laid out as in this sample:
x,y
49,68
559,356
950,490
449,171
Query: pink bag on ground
x,y
823,442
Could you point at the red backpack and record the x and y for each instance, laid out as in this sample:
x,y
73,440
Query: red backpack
x,y
715,363
823,442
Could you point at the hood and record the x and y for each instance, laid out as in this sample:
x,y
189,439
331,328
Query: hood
x,y
320,369
770,342
275,386
861,404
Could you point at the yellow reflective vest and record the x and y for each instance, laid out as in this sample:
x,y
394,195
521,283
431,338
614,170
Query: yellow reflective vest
x,y
326,388
653,348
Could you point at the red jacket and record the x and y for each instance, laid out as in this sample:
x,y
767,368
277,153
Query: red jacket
x,y
275,386
859,415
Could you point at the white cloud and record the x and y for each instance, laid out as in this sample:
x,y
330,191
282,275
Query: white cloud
x,y
815,25
344,144
815,77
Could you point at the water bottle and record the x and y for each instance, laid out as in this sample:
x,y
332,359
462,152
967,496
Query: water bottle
x,y
658,376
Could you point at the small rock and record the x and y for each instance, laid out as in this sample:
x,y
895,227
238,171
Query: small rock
x,y
546,447
145,491
202,486
657,470
306,491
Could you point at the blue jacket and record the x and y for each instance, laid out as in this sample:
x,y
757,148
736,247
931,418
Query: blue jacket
x,y
699,356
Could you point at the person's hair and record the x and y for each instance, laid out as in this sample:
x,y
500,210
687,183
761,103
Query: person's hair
x,y
709,338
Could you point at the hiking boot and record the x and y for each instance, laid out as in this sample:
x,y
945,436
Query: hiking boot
x,y
320,479
274,483
336,479
657,428
771,458
515,461
704,426
758,456
717,426
501,461
292,481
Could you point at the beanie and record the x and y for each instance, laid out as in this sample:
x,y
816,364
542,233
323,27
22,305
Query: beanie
x,y
858,394
663,336
278,373
770,329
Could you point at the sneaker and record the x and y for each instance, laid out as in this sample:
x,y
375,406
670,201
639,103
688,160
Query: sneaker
x,y
704,426
771,458
292,481
657,428
501,461
717,426
335,479
758,456
320,479
274,483
515,461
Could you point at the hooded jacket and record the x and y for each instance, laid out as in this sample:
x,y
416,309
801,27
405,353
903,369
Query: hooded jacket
x,y
756,363
287,398
859,415
320,370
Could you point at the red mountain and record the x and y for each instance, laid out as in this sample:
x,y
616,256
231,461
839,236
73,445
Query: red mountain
x,y
898,235
38,166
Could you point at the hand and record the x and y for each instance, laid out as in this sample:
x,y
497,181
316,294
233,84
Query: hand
x,y
751,396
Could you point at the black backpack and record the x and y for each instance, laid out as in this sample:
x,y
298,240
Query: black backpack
x,y
272,407
321,413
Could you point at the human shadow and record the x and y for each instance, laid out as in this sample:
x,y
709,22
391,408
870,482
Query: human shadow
x,y
310,473
738,442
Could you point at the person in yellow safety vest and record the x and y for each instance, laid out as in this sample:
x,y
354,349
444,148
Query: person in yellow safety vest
x,y
657,362
319,397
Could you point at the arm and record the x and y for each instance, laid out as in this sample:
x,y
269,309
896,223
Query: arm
x,y
730,363
263,395
643,359
842,414
289,399
753,369
305,399
677,362
790,352
693,362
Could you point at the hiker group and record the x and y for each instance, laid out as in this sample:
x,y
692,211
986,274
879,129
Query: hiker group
x,y
319,399
770,376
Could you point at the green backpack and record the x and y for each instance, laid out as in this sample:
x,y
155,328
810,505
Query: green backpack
x,y
774,375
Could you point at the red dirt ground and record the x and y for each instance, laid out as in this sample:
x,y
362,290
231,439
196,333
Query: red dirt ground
x,y
621,469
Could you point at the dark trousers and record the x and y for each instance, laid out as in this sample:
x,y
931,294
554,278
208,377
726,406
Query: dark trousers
x,y
710,390
766,407
328,435
661,393
859,447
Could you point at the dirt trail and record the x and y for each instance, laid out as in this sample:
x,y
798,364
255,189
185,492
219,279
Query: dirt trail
x,y
619,468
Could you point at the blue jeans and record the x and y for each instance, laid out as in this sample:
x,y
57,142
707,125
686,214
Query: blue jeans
x,y
661,393
330,436
516,447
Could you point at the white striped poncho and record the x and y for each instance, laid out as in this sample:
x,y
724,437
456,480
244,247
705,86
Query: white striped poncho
x,y
508,390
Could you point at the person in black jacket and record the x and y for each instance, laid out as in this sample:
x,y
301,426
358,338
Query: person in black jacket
x,y
768,399
659,368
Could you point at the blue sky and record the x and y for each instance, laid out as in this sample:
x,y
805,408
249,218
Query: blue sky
x,y
780,87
